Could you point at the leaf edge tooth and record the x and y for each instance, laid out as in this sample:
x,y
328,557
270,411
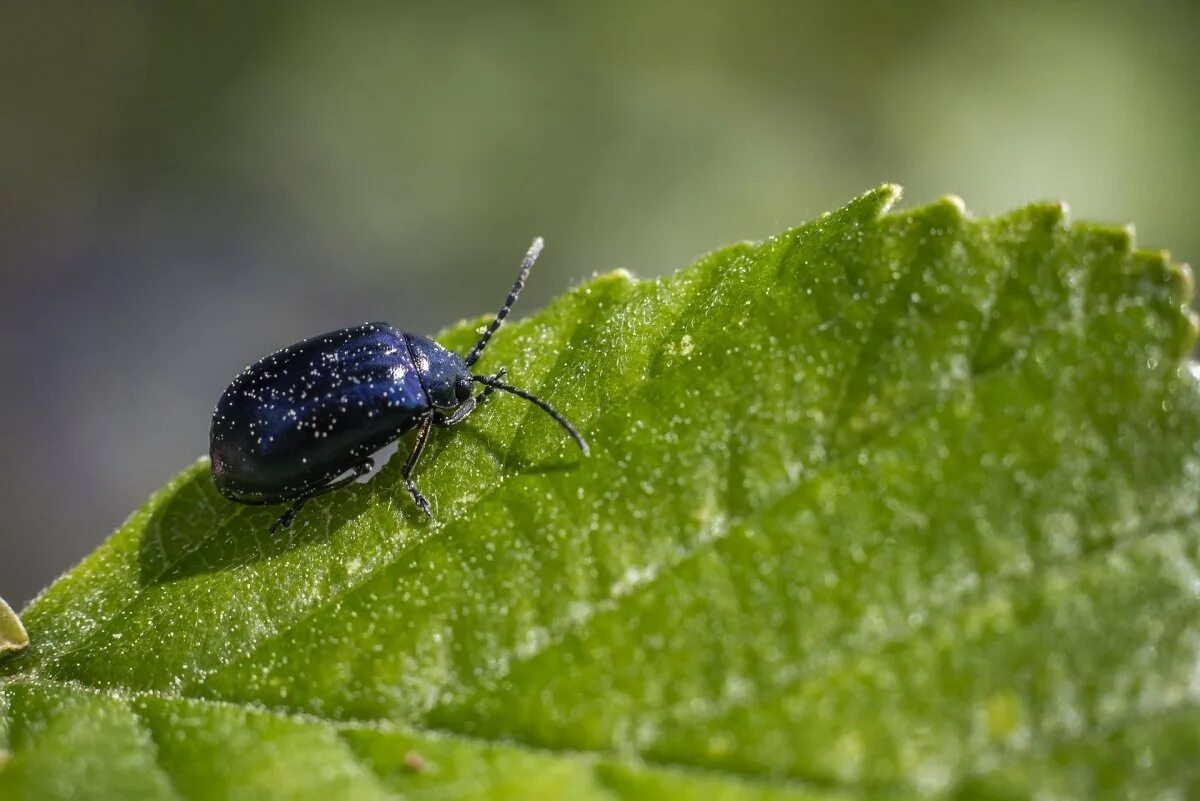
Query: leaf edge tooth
x,y
13,637
885,196
1186,277
1120,239
956,201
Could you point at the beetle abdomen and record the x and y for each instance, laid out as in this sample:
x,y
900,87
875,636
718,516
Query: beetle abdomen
x,y
308,413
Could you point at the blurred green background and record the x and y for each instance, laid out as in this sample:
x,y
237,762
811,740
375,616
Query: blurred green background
x,y
184,188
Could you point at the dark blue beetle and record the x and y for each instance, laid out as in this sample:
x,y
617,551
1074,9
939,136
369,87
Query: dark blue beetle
x,y
305,420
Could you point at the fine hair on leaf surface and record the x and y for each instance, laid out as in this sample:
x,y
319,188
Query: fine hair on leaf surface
x,y
890,504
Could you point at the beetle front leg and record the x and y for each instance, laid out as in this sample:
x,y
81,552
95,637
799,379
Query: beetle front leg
x,y
499,376
442,421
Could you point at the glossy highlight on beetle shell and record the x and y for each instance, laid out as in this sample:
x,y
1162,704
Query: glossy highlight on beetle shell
x,y
304,415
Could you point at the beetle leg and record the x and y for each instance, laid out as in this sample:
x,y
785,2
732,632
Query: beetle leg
x,y
286,518
361,469
410,465
442,421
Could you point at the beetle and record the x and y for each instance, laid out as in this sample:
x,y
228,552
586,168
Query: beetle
x,y
306,420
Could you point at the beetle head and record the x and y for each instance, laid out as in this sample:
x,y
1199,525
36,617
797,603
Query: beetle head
x,y
443,374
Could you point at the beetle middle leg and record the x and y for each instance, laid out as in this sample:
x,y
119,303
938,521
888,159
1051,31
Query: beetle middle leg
x,y
441,421
361,469
410,465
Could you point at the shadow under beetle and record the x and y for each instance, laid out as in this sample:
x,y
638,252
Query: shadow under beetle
x,y
305,420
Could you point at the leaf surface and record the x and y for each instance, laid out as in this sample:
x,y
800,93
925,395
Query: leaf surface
x,y
891,504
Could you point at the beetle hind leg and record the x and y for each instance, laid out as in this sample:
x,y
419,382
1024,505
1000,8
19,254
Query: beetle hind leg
x,y
361,469
285,519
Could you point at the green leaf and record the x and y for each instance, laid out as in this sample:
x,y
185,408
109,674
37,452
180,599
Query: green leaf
x,y
887,505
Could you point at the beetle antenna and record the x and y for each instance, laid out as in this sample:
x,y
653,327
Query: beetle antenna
x,y
488,381
518,285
